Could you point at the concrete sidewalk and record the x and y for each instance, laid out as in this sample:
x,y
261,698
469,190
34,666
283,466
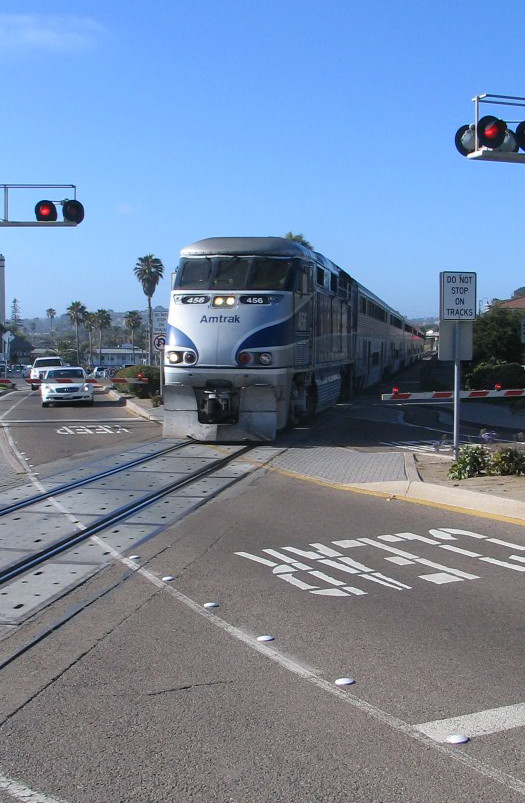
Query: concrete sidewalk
x,y
391,474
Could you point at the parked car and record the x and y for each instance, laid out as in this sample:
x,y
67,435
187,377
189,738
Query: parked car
x,y
39,367
99,371
66,384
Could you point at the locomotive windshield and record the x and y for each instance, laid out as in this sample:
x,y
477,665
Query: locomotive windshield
x,y
236,273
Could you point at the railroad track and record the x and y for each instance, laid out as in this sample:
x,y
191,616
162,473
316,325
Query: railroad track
x,y
119,513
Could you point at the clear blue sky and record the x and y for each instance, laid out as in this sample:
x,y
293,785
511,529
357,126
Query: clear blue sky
x,y
181,120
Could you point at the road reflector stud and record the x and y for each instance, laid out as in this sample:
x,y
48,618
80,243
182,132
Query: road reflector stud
x,y
457,738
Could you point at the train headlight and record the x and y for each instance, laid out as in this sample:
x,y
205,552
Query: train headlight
x,y
190,357
173,357
221,301
244,358
265,358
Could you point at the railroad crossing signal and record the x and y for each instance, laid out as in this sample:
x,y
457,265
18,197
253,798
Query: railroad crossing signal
x,y
489,138
73,211
45,210
46,213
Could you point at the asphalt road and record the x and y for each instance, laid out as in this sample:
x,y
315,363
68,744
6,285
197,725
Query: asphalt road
x,y
53,438
146,695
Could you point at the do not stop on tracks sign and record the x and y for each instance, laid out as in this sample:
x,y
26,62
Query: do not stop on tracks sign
x,y
457,296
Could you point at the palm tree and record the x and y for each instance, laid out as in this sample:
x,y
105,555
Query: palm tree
x,y
102,321
132,321
149,271
76,312
51,314
298,238
90,323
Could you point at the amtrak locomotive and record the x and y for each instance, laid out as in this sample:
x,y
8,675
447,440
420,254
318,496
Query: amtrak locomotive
x,y
263,332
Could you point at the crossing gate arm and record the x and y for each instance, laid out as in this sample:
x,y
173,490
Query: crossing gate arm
x,y
448,395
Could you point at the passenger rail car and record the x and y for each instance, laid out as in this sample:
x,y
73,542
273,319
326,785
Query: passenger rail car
x,y
262,331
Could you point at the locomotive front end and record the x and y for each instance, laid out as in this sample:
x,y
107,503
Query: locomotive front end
x,y
229,345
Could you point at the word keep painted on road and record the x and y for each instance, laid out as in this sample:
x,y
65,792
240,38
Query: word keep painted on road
x,y
99,429
457,296
326,573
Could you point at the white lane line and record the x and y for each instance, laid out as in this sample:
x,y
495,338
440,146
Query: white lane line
x,y
21,792
493,720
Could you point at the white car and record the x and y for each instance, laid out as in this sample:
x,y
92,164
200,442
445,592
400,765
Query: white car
x,y
39,367
66,384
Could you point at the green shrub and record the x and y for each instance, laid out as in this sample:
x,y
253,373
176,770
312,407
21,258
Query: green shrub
x,y
485,375
141,391
471,462
506,461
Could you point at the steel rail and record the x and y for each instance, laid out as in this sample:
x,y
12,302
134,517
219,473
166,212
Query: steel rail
x,y
112,518
70,486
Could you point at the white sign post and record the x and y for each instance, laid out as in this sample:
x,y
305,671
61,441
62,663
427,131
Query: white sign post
x,y
457,299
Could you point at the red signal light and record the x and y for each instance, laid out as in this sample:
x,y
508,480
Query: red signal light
x,y
491,131
497,386
139,376
395,390
46,210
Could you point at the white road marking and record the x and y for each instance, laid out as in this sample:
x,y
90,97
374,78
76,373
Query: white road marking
x,y
400,561
439,578
390,538
460,551
504,564
19,791
493,720
506,543
447,569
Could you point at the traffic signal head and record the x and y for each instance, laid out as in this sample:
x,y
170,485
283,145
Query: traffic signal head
x,y
491,132
73,211
520,135
46,210
465,139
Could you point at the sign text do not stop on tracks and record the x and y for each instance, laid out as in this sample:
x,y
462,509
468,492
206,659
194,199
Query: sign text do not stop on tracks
x,y
457,296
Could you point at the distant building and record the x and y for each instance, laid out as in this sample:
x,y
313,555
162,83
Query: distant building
x,y
514,303
118,357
